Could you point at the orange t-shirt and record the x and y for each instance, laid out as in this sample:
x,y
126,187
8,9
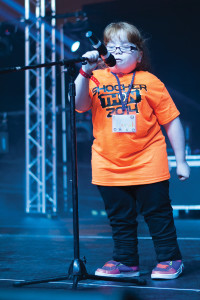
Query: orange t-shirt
x,y
130,158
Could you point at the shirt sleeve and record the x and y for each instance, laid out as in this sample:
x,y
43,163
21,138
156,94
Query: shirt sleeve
x,y
161,102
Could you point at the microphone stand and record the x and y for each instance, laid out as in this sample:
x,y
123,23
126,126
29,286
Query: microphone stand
x,y
77,270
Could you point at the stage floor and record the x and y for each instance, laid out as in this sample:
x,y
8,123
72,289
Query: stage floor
x,y
39,247
33,247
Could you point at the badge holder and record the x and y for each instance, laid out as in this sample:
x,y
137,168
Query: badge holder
x,y
77,270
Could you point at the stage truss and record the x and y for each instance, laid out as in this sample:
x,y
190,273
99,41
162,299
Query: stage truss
x,y
40,100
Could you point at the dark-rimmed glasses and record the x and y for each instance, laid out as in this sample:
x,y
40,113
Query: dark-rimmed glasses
x,y
126,49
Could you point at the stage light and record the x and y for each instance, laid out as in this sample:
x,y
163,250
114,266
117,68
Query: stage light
x,y
94,212
74,36
75,46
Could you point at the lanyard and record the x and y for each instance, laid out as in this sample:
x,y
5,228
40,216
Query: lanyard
x,y
124,100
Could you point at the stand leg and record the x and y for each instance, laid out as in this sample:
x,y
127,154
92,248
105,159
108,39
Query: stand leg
x,y
75,282
35,281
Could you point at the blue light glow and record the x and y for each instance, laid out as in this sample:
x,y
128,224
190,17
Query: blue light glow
x,y
75,46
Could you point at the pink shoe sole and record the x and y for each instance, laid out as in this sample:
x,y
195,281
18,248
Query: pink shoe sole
x,y
125,274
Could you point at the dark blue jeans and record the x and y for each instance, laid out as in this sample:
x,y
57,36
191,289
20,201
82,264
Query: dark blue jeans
x,y
151,200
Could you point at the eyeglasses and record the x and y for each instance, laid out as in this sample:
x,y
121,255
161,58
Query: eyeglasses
x,y
126,49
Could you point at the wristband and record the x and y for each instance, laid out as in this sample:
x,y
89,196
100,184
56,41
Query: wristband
x,y
86,75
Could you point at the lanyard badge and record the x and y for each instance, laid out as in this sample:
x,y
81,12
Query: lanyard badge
x,y
124,123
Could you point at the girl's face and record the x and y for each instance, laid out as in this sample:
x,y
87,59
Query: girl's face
x,y
126,58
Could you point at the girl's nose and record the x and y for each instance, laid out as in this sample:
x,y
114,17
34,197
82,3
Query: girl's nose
x,y
118,50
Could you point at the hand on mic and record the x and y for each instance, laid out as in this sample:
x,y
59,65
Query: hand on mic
x,y
92,61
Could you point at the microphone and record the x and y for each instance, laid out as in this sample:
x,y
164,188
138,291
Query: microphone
x,y
107,57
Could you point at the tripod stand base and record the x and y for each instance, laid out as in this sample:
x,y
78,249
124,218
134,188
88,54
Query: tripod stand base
x,y
77,272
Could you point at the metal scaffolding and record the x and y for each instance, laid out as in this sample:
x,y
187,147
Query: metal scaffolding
x,y
40,102
64,124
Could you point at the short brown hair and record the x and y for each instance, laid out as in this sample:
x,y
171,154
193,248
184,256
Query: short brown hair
x,y
133,35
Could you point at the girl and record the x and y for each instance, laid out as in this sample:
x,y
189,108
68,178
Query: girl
x,y
129,158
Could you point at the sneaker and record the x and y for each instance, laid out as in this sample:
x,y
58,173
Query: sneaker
x,y
167,270
116,269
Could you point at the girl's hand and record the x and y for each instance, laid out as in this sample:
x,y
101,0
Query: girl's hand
x,y
92,62
183,171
